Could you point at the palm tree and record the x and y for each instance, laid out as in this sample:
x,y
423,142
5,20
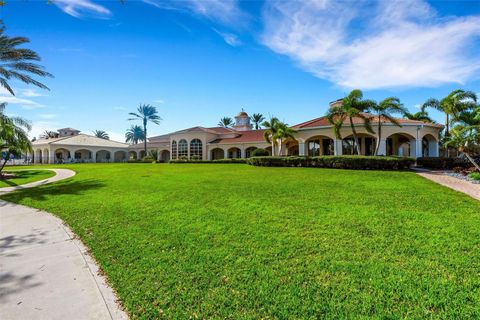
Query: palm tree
x,y
48,134
13,135
101,134
456,102
225,122
466,138
257,119
383,111
18,63
352,106
146,113
271,128
421,115
283,133
134,134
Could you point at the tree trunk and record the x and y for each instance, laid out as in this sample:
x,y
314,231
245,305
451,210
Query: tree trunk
x,y
447,125
273,148
379,136
3,165
472,161
355,138
145,137
279,147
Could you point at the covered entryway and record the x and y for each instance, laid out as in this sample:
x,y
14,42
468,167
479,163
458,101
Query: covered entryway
x,y
62,155
164,155
234,153
319,146
217,154
103,156
120,156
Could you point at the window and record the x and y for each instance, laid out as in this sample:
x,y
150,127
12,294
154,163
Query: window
x,y
196,149
174,149
183,148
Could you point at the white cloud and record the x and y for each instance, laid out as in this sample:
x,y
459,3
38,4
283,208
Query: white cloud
x,y
368,46
230,38
79,8
48,116
21,101
31,93
224,11
39,127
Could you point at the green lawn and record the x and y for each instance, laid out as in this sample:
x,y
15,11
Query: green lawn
x,y
239,242
25,176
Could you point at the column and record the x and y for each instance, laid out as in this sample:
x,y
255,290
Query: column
x,y
209,154
242,152
417,151
225,154
337,147
361,140
382,147
301,149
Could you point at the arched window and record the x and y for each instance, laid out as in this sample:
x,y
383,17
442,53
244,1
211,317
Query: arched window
x,y
196,149
183,148
174,149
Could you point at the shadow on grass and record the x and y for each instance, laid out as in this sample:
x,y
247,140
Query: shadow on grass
x,y
21,175
61,188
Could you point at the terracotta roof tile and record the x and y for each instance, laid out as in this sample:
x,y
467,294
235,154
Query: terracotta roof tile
x,y
244,136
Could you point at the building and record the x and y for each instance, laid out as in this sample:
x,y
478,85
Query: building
x,y
313,138
73,146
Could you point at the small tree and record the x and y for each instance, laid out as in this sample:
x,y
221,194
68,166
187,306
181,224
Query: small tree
x,y
466,139
225,122
134,134
383,111
271,127
146,113
283,133
257,119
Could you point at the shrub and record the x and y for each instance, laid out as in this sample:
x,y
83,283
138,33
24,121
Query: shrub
x,y
436,162
338,162
260,153
195,157
210,161
474,176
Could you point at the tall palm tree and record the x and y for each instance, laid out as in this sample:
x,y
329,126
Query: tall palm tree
x,y
13,135
146,113
271,128
421,115
257,119
18,63
225,122
383,111
101,134
454,103
48,134
283,133
352,106
134,134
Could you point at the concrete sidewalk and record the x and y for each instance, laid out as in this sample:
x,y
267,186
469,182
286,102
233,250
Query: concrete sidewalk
x,y
60,174
46,273
473,190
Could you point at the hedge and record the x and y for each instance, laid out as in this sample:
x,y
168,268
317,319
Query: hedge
x,y
141,161
337,162
210,161
445,163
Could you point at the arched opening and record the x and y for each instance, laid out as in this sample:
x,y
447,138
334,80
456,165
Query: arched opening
x,y
366,144
142,154
120,156
429,146
319,146
174,149
400,144
269,150
103,156
82,155
248,151
292,148
217,154
164,155
183,149
62,155
234,153
196,149
38,156
45,156
132,155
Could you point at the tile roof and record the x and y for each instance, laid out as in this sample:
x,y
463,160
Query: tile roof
x,y
244,136
81,140
322,121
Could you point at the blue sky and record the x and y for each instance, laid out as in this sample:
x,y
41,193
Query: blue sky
x,y
198,61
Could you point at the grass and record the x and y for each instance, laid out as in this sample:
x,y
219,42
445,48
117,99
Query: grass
x,y
25,176
240,242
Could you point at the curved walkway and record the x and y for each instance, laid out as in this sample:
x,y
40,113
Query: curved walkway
x,y
45,271
473,190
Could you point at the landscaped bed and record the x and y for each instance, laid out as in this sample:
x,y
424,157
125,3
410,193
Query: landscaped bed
x,y
14,178
243,242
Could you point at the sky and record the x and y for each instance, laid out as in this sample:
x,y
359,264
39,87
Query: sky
x,y
200,60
